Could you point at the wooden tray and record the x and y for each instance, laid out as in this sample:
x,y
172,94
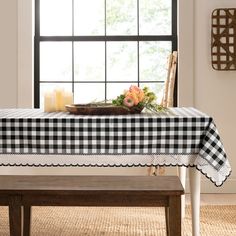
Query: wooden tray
x,y
105,109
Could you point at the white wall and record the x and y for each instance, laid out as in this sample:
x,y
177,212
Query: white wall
x,y
8,53
214,91
199,85
25,53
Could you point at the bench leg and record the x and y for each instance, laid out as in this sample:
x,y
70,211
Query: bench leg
x,y
27,220
15,216
167,216
175,215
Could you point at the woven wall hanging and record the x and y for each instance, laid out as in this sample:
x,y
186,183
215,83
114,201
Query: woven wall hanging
x,y
223,39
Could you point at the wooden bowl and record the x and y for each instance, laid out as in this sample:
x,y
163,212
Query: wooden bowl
x,y
104,109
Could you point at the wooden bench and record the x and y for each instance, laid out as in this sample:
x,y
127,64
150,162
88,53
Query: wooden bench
x,y
22,192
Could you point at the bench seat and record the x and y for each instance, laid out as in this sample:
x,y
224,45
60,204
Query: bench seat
x,y
122,191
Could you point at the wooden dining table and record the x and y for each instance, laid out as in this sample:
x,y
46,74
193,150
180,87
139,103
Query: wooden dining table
x,y
182,137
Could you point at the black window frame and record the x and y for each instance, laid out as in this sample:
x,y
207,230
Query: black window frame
x,y
173,38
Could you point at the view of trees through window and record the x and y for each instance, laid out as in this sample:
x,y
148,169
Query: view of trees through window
x,y
98,48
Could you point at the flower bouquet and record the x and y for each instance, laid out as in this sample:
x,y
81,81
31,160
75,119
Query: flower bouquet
x,y
136,99
132,101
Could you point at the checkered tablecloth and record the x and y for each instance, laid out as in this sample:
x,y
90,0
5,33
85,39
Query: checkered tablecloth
x,y
177,133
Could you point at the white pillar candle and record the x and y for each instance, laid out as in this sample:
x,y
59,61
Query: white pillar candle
x,y
49,102
68,99
59,99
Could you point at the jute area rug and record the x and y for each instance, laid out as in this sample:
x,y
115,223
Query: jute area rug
x,y
73,221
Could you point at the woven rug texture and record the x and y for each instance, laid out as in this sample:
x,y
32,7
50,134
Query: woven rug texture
x,y
115,221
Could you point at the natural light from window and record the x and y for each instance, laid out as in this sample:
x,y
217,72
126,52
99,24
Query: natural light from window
x,y
97,69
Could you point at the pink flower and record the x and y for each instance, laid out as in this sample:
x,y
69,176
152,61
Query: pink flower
x,y
134,89
141,96
128,101
134,97
137,94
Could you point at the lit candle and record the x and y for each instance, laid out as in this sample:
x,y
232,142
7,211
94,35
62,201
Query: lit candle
x,y
49,102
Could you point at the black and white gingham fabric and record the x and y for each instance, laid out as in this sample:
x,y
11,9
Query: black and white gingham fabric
x,y
181,131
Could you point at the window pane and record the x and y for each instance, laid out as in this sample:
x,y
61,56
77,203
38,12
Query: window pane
x,y
122,61
56,17
49,87
157,88
121,17
89,17
155,17
115,89
89,61
56,61
89,92
153,60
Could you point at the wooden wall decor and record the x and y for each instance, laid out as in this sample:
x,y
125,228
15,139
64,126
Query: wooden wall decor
x,y
223,39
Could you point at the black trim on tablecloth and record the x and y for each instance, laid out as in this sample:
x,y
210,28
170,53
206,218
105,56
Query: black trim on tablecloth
x,y
115,165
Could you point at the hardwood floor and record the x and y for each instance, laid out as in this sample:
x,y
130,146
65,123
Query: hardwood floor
x,y
215,199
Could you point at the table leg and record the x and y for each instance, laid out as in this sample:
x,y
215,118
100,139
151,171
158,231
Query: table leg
x,y
175,216
167,216
195,189
27,220
182,176
15,216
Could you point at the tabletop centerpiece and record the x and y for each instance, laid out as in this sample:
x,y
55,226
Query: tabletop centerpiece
x,y
131,101
136,99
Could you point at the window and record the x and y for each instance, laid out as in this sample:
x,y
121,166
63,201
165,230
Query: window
x,y
98,48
